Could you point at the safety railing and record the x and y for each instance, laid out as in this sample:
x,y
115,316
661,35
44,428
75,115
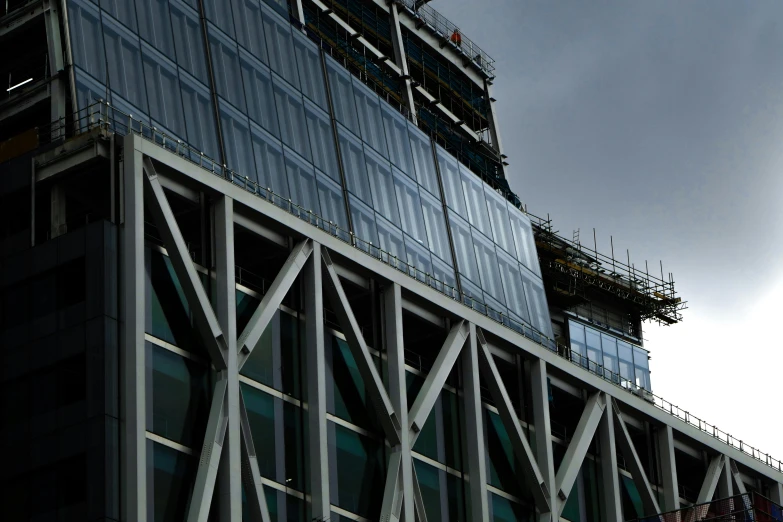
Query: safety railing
x,y
746,507
102,115
448,31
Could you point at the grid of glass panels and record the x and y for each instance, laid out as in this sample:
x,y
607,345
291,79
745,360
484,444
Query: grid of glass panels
x,y
604,353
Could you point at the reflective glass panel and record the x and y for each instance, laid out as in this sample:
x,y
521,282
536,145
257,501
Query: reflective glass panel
x,y
488,265
354,165
322,140
368,109
477,204
236,134
536,302
463,247
301,180
311,74
503,464
225,66
155,25
249,24
346,394
444,273
609,348
363,224
290,112
219,13
188,40
452,182
330,195
435,225
504,510
342,95
396,128
418,257
593,341
523,239
270,168
576,333
382,186
87,38
391,241
177,396
498,217
257,81
123,55
410,206
163,90
199,116
512,286
356,473
170,476
422,157
280,48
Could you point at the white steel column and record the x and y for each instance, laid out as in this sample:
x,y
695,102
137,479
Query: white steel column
x,y
541,421
231,464
134,443
316,387
725,486
474,428
671,490
401,60
611,499
401,456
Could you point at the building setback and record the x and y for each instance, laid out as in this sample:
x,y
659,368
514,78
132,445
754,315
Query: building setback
x,y
259,260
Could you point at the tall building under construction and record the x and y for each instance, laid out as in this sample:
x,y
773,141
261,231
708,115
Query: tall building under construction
x,y
259,261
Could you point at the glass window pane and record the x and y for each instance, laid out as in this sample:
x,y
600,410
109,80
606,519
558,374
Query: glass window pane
x,y
576,334
396,127
124,60
258,89
311,74
356,472
346,394
435,224
640,358
188,40
199,117
369,111
624,351
270,168
418,257
410,206
87,38
280,47
382,186
225,66
330,195
301,180
177,398
463,248
290,112
363,220
488,265
504,510
452,182
155,25
536,302
512,286
422,158
477,204
444,273
431,488
322,140
498,217
502,469
219,13
342,95
122,10
163,91
594,354
354,165
236,134
391,241
170,475
249,24
523,239
88,92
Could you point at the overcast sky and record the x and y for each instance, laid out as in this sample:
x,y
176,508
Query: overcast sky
x,y
660,123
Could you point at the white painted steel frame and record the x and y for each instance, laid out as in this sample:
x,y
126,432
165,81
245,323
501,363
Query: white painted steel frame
x,y
311,259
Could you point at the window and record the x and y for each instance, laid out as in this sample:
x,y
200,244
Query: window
x,y
170,475
354,165
301,180
123,56
249,24
363,225
163,90
342,95
452,182
391,241
87,38
396,128
435,225
199,116
257,81
330,195
369,112
523,240
270,168
512,286
410,206
280,48
382,186
498,217
463,248
155,24
488,265
188,40
422,158
356,472
308,59
322,140
225,66
290,112
236,135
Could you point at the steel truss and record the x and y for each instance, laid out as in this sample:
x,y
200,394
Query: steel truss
x,y
228,459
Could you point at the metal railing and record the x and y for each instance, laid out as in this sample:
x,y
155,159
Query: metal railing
x,y
445,29
746,507
102,115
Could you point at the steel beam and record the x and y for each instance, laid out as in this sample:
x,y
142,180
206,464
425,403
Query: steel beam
x,y
134,447
251,474
355,339
671,490
474,428
316,387
628,450
541,421
211,450
707,491
230,489
401,59
392,491
395,352
611,497
530,471
577,449
197,298
271,301
433,384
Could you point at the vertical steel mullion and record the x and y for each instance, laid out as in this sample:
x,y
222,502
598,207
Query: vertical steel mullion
x,y
133,443
316,387
611,499
230,477
671,492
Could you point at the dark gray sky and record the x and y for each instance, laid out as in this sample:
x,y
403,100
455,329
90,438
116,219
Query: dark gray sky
x,y
660,123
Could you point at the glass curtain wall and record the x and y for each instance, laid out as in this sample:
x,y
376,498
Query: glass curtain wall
x,y
603,353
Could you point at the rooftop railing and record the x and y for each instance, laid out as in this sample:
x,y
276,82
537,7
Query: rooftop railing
x,y
445,29
102,115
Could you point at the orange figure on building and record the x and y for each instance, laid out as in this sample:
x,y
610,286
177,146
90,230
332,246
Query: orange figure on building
x,y
456,38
